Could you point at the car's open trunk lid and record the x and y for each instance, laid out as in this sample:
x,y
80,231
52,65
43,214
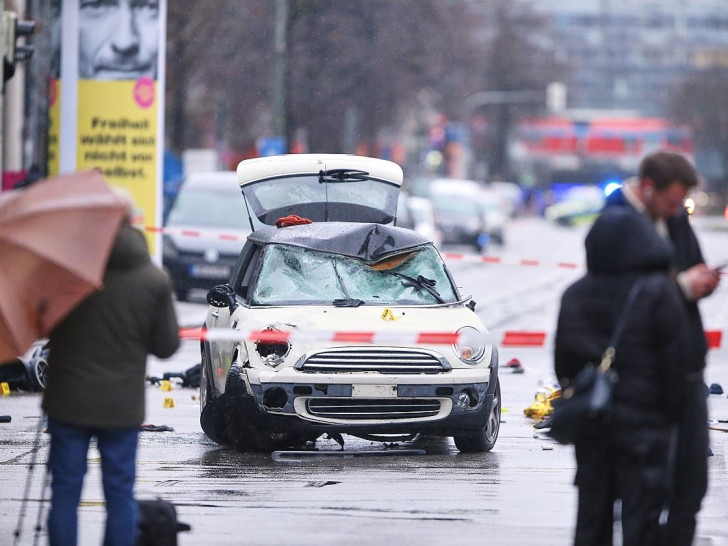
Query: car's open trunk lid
x,y
321,187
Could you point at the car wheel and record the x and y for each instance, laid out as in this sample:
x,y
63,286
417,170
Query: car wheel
x,y
211,420
240,431
39,368
205,390
245,436
485,438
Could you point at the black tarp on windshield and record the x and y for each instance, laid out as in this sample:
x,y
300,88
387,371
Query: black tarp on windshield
x,y
367,242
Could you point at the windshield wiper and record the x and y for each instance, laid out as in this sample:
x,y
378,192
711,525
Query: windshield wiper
x,y
342,175
348,302
419,282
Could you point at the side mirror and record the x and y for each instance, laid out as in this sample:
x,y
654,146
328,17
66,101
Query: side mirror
x,y
471,305
222,295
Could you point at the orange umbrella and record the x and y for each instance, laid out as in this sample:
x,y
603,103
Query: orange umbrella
x,y
55,239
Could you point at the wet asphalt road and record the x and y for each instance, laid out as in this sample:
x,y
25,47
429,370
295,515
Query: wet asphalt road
x,y
520,493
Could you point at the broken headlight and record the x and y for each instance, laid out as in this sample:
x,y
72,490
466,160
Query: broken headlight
x,y
272,351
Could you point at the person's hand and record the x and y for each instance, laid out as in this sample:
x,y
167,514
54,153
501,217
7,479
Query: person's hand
x,y
701,280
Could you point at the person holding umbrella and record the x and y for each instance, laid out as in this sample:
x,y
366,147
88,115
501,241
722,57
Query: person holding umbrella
x,y
96,384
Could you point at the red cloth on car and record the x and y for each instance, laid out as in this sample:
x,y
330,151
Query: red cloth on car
x,y
292,220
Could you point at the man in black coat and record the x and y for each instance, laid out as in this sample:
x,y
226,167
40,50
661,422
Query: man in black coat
x,y
658,193
627,461
96,388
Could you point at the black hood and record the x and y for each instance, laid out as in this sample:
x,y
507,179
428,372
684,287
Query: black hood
x,y
625,241
367,242
129,250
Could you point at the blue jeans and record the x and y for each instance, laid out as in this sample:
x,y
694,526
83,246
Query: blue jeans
x,y
67,464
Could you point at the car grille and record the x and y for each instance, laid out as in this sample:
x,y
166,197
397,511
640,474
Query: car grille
x,y
359,409
384,361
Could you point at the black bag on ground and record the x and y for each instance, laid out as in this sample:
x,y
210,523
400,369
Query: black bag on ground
x,y
586,406
192,376
158,525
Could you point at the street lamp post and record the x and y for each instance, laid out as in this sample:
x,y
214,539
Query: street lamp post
x,y
279,67
553,97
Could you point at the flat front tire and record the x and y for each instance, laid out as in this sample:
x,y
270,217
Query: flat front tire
x,y
205,393
484,439
211,420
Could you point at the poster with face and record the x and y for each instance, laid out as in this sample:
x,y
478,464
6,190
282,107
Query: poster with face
x,y
112,101
118,39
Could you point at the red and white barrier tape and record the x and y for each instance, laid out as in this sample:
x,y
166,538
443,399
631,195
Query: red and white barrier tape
x,y
506,338
474,258
450,256
196,233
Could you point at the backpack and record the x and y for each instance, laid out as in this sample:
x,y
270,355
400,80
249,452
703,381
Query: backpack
x,y
158,525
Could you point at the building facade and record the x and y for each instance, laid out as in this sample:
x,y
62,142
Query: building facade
x,y
631,54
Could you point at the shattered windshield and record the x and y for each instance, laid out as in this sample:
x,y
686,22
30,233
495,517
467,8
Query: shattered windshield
x,y
293,275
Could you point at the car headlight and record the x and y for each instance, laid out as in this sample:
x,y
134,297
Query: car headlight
x,y
470,346
272,352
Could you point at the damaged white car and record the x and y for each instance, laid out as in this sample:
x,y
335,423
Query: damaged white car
x,y
348,271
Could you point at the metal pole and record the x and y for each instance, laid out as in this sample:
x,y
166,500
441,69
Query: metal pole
x,y
501,99
37,84
279,67
3,52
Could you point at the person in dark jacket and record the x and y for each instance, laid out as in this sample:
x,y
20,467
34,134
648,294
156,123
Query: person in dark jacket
x,y
658,193
96,383
629,460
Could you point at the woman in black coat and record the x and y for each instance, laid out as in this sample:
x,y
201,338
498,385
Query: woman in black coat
x,y
629,460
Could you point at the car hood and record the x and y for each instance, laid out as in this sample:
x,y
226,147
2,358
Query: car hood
x,y
377,319
328,320
440,318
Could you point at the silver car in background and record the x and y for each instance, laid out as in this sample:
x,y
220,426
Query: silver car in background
x,y
206,227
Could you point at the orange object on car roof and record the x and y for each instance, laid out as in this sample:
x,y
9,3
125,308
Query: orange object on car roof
x,y
292,220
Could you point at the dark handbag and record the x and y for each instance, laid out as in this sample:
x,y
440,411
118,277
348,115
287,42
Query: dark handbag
x,y
586,406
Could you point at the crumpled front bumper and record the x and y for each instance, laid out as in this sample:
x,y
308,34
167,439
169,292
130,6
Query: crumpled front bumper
x,y
444,404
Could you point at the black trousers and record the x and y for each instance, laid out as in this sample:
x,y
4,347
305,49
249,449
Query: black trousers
x,y
691,467
626,465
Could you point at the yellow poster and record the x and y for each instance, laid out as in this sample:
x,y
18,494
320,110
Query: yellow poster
x,y
54,125
116,133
